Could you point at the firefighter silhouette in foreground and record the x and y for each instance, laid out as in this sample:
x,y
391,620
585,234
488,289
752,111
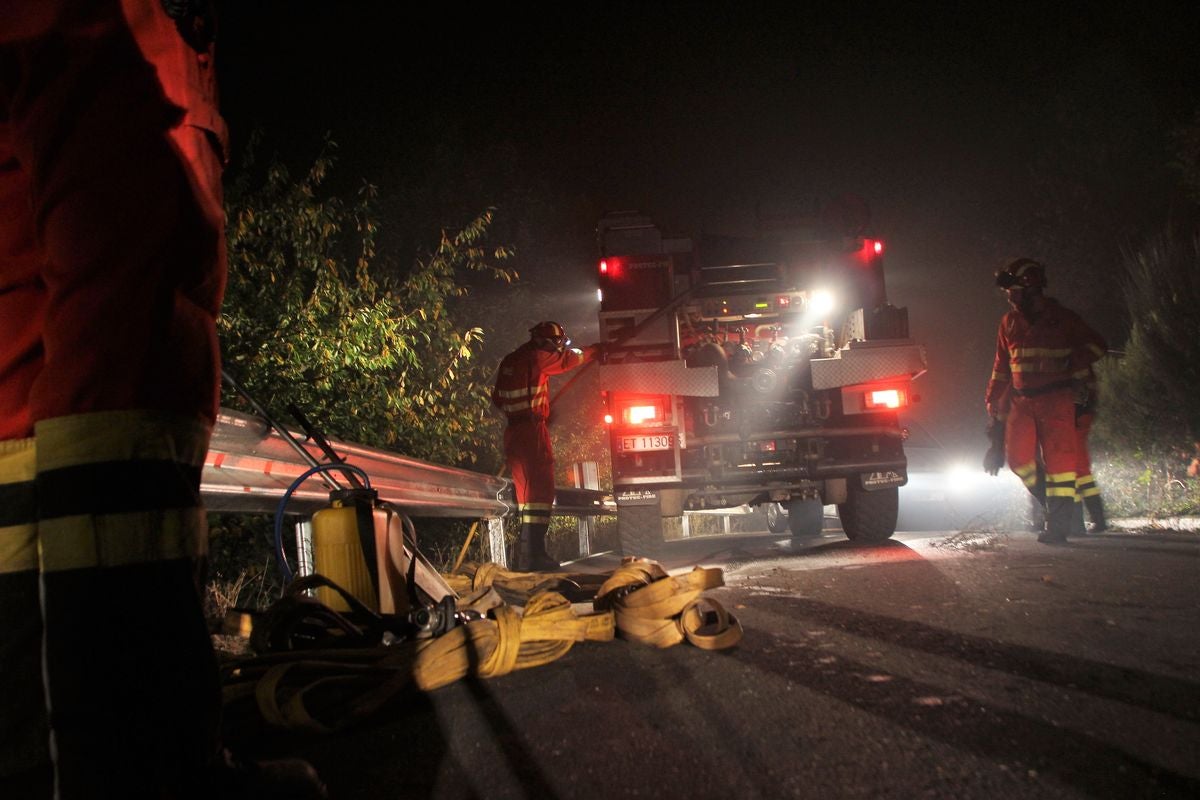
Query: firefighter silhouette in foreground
x,y
112,272
1044,354
522,392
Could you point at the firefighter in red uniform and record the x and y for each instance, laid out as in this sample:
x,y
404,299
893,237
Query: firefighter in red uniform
x,y
1043,353
112,271
522,392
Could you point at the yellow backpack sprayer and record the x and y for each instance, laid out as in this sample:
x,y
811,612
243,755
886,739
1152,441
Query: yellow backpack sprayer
x,y
359,543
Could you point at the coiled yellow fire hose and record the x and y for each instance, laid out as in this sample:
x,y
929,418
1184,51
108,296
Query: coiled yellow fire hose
x,y
327,690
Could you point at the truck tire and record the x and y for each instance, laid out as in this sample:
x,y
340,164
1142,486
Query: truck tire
x,y
776,521
639,530
869,516
806,518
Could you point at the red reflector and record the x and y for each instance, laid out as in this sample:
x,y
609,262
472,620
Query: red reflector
x,y
885,398
766,447
878,247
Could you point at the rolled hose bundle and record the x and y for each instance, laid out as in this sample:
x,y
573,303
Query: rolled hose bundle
x,y
329,689
655,608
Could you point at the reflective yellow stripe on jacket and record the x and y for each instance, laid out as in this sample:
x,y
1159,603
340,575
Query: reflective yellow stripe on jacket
x,y
529,398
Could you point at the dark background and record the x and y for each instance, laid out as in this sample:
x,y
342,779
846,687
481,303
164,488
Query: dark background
x,y
976,137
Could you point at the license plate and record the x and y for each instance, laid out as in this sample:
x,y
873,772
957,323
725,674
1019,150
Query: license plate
x,y
656,441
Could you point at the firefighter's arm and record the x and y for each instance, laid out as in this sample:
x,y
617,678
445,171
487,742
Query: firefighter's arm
x,y
569,359
1088,348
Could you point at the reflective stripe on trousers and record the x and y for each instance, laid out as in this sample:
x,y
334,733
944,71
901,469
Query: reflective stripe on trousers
x,y
110,529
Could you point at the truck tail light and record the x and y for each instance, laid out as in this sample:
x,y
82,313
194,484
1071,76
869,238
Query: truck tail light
x,y
636,415
603,266
894,394
879,399
641,409
608,419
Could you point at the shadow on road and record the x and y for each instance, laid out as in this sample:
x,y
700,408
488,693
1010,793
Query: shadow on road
x,y
1164,694
1094,766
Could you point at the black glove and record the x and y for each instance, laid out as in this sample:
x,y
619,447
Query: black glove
x,y
993,459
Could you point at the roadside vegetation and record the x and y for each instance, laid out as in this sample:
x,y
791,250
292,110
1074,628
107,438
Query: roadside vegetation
x,y
1148,429
367,346
1147,434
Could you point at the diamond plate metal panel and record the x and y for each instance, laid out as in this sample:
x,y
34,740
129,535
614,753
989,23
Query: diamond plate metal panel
x,y
660,377
863,364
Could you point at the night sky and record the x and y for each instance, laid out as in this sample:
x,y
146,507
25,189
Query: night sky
x,y
975,137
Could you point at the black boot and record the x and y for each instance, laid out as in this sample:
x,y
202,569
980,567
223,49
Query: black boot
x,y
1095,510
1077,526
1060,511
531,549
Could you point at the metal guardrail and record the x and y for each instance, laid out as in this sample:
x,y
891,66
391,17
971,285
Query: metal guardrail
x,y
249,468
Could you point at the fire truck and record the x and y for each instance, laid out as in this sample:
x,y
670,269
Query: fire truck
x,y
765,368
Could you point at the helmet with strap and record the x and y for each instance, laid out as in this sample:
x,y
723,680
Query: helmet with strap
x,y
549,336
1024,272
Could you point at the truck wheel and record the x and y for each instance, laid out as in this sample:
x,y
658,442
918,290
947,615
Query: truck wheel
x,y
806,518
869,516
639,530
777,522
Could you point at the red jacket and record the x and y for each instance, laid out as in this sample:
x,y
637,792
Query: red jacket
x,y
1046,353
522,384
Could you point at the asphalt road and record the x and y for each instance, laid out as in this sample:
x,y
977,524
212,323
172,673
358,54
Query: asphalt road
x,y
976,665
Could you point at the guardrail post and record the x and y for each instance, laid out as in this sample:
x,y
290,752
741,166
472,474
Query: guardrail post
x,y
586,475
497,551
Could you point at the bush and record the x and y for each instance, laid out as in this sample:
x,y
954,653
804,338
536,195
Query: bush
x,y
1149,418
369,349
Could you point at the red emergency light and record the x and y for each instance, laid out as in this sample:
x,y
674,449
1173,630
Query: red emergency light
x,y
610,267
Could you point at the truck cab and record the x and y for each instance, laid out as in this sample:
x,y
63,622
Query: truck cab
x,y
758,369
